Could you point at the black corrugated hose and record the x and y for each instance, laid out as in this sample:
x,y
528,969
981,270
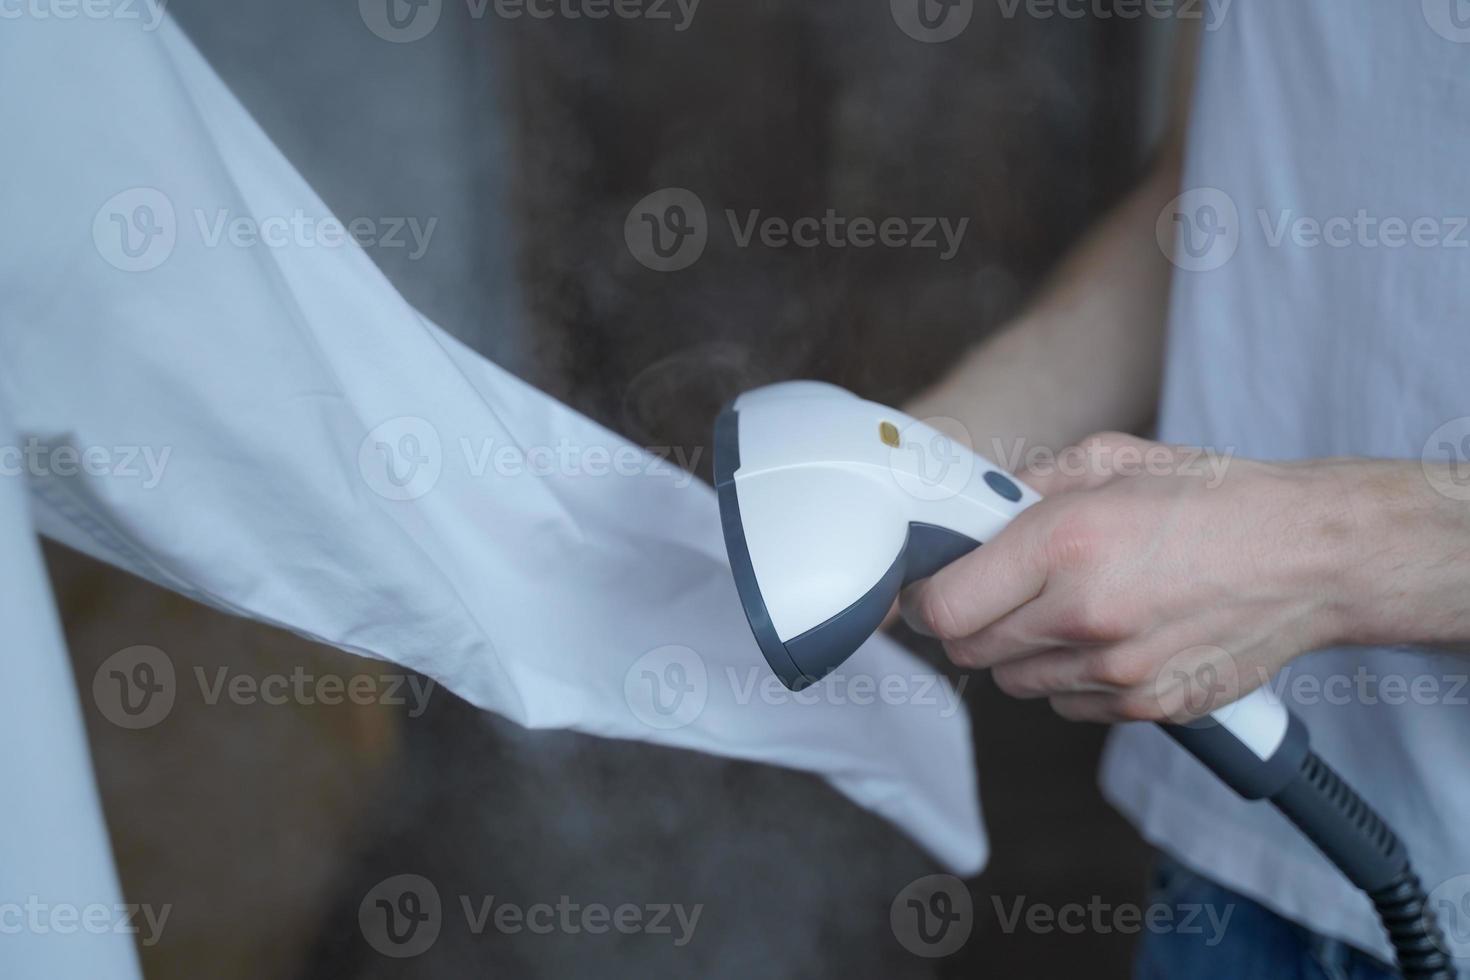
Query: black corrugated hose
x,y
1346,829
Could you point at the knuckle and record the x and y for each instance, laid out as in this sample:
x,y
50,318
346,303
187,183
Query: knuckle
x,y
1077,541
1114,454
1117,668
938,615
1095,618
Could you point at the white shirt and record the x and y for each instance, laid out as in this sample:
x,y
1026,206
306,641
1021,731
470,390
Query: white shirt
x,y
329,462
1327,314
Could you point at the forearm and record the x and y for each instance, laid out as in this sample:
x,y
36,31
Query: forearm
x,y
1405,572
1087,354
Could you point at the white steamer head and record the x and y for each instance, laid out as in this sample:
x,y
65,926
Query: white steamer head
x,y
831,504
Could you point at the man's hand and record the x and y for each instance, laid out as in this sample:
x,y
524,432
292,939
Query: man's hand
x,y
1142,577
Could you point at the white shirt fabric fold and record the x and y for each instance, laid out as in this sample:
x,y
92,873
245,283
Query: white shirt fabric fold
x,y
264,424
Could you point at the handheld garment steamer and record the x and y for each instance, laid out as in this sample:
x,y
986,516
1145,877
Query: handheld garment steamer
x,y
826,519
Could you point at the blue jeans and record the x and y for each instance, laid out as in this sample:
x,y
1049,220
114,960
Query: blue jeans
x,y
1252,944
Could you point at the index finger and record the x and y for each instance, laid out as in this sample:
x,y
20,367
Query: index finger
x,y
968,595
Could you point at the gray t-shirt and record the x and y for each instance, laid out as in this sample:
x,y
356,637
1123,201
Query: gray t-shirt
x,y
1322,307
